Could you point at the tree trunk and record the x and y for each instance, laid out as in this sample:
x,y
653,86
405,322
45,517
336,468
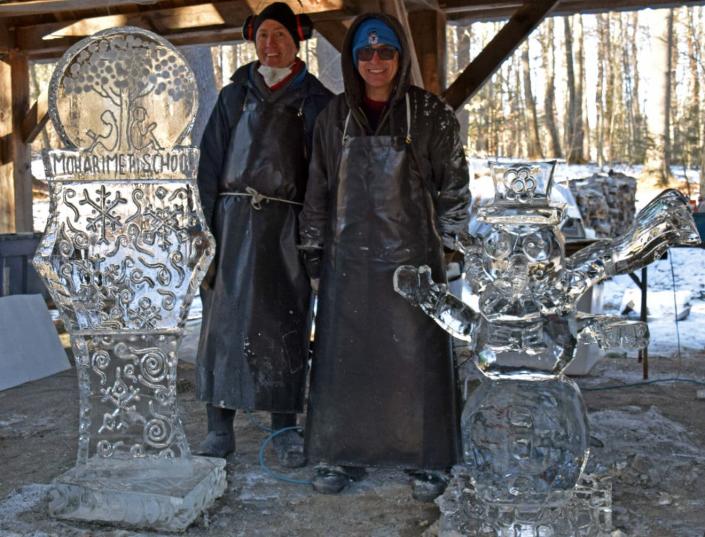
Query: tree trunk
x,y
658,116
693,112
608,129
533,140
587,146
579,137
570,141
549,102
600,91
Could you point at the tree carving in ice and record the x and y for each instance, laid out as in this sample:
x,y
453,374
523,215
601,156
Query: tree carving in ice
x,y
125,248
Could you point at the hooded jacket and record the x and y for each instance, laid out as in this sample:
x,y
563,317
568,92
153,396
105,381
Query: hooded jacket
x,y
254,337
436,147
382,387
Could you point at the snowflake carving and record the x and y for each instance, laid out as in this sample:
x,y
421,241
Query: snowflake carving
x,y
104,209
161,223
146,315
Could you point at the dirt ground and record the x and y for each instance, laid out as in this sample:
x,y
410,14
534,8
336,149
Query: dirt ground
x,y
649,438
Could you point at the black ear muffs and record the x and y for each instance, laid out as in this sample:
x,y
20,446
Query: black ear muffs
x,y
248,28
304,27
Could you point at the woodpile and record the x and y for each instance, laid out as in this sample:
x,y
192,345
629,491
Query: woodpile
x,y
607,203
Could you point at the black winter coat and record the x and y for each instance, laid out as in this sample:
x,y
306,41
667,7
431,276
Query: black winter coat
x,y
253,348
382,382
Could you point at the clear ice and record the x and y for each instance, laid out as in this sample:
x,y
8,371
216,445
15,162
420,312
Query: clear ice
x,y
524,428
125,248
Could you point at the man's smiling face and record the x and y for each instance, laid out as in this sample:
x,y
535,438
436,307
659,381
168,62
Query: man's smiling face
x,y
274,44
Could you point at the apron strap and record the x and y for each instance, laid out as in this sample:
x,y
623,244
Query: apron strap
x,y
257,198
407,139
408,119
345,129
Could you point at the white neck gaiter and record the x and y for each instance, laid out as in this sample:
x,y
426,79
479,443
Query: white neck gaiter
x,y
272,75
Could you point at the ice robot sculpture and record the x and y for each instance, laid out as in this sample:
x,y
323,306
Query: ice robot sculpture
x,y
524,428
124,251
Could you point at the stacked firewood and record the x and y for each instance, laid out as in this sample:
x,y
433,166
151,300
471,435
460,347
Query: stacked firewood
x,y
607,203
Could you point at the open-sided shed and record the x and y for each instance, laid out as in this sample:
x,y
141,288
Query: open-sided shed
x,y
43,29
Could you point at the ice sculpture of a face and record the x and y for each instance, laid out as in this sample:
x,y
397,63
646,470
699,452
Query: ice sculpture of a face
x,y
518,272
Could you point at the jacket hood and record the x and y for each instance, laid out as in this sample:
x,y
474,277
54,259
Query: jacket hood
x,y
354,85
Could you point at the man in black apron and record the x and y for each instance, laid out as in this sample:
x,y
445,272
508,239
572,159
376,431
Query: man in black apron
x,y
388,186
252,177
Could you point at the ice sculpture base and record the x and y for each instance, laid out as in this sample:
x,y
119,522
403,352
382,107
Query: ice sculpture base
x,y
165,495
463,514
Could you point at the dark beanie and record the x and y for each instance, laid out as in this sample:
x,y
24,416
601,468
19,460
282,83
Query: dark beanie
x,y
299,28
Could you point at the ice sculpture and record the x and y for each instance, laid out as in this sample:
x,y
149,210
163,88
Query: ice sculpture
x,y
525,429
124,251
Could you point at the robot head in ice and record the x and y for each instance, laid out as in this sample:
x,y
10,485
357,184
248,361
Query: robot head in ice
x,y
523,253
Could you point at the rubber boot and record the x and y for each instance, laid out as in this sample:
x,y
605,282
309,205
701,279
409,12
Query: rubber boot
x,y
331,479
220,441
289,445
427,485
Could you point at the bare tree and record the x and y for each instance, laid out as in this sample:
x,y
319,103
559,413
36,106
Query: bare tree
x,y
657,164
533,139
549,101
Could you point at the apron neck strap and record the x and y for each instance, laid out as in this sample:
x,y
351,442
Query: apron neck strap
x,y
408,121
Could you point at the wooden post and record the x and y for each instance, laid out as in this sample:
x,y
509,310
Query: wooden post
x,y
15,176
429,30
7,189
397,9
521,24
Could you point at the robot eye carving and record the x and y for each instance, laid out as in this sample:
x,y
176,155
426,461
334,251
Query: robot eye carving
x,y
498,245
535,247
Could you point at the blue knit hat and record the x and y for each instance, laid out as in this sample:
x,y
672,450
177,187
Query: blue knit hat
x,y
374,31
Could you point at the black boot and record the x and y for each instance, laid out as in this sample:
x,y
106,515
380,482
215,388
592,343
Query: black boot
x,y
427,485
289,445
330,479
220,441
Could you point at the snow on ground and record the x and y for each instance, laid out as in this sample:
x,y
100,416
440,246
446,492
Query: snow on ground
x,y
685,267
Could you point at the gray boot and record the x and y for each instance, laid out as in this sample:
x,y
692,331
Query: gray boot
x,y
220,441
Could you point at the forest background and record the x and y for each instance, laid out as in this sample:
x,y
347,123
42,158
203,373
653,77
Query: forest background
x,y
616,88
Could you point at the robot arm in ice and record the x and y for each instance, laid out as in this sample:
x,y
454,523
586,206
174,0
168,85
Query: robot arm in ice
x,y
417,286
612,333
664,222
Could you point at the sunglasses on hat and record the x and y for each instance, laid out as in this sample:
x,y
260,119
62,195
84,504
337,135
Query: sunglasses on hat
x,y
383,53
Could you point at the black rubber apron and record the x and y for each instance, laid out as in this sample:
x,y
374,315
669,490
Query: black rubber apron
x,y
253,347
382,387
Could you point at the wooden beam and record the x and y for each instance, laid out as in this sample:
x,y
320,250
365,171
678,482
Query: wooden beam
x,y
36,118
397,9
334,31
21,155
6,42
15,177
7,187
188,25
467,11
521,24
38,7
429,30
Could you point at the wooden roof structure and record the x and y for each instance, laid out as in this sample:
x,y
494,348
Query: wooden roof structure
x,y
43,29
